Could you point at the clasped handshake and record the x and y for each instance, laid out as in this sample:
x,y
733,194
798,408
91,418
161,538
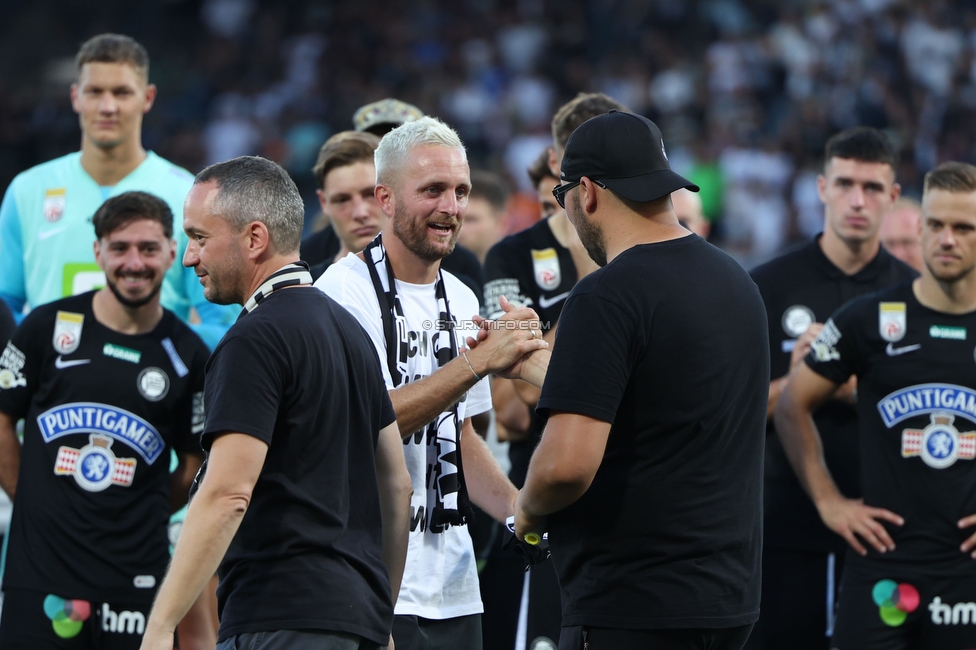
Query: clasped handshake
x,y
518,352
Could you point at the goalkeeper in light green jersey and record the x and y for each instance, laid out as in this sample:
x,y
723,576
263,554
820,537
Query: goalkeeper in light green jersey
x,y
45,218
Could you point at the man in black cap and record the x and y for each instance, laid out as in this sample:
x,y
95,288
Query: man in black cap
x,y
649,474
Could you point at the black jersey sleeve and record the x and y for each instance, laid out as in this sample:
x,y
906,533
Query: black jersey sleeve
x,y
245,382
502,278
20,364
586,378
834,354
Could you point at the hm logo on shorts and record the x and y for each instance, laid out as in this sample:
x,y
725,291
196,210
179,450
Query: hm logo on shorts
x,y
122,622
958,614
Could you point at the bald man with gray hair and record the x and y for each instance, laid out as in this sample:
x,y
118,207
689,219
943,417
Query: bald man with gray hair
x,y
418,317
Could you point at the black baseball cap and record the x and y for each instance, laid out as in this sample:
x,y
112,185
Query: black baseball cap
x,y
626,153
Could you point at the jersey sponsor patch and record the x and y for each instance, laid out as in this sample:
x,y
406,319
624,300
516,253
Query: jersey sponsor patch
x,y
67,616
895,601
508,287
153,383
825,347
939,444
199,415
892,321
946,614
797,319
144,582
91,417
174,357
11,363
94,466
951,333
119,352
925,399
545,268
54,203
67,331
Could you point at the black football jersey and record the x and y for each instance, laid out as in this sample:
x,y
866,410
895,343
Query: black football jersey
x,y
799,288
532,269
101,411
916,403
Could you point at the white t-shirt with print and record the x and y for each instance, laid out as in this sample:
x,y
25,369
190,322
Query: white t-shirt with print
x,y
440,579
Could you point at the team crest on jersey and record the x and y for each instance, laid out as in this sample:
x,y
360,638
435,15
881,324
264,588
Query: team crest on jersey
x,y
11,363
116,423
54,203
67,331
892,321
153,384
94,466
797,319
939,444
545,268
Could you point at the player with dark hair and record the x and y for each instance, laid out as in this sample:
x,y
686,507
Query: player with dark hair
x,y
44,217
543,180
910,577
802,559
107,382
346,178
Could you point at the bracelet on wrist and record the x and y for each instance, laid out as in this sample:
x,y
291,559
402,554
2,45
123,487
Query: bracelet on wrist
x,y
468,361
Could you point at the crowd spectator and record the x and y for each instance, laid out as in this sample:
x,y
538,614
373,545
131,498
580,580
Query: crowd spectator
x,y
727,80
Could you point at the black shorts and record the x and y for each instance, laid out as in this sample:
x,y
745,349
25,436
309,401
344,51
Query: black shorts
x,y
33,619
897,609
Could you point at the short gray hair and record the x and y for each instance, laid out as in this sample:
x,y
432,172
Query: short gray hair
x,y
251,188
393,152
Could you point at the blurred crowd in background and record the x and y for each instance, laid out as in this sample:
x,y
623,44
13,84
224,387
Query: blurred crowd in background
x,y
746,92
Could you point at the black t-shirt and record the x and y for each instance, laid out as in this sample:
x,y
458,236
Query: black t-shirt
x,y
530,268
668,344
916,407
799,288
299,373
320,248
101,412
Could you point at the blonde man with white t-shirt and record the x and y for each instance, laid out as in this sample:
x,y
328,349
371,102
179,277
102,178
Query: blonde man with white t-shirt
x,y
436,386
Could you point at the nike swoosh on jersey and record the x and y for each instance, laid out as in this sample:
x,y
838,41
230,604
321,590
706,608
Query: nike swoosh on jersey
x,y
546,303
61,364
44,234
894,352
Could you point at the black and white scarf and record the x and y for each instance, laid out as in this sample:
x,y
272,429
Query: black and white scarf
x,y
289,275
447,496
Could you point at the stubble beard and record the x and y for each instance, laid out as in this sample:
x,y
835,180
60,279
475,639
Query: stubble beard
x,y
414,237
130,302
590,234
